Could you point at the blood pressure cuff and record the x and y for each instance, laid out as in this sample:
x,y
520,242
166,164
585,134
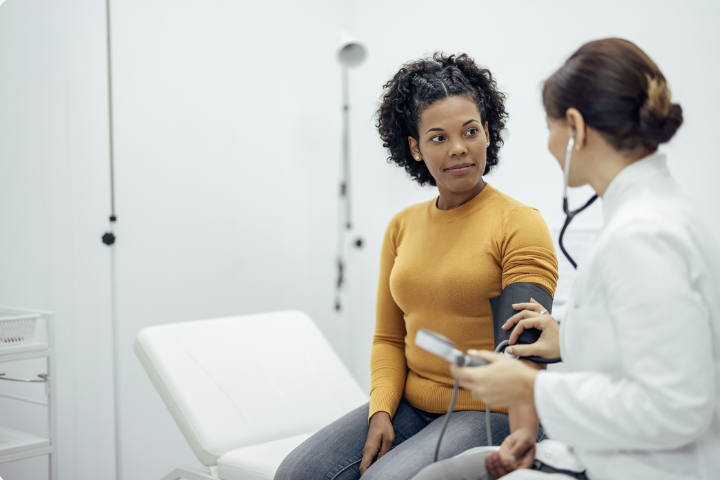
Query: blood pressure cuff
x,y
502,309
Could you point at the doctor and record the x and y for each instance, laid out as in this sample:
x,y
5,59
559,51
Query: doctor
x,y
641,336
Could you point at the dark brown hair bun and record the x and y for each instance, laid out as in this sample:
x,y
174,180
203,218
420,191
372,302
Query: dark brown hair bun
x,y
659,117
619,91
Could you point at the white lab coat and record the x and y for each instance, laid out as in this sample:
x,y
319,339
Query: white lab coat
x,y
641,339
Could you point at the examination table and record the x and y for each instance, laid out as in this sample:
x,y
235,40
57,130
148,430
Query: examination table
x,y
246,390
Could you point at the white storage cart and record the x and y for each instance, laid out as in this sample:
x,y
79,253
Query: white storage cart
x,y
17,343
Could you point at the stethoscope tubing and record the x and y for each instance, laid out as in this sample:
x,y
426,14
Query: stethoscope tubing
x,y
570,214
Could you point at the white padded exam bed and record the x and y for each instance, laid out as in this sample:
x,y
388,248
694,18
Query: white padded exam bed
x,y
246,390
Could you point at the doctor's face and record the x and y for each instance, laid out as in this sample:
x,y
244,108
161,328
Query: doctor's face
x,y
559,135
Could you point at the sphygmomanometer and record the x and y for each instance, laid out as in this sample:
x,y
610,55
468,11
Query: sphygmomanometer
x,y
502,310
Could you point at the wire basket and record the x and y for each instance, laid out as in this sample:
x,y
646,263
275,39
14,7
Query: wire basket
x,y
17,329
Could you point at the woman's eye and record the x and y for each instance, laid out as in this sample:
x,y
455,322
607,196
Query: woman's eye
x,y
472,131
437,138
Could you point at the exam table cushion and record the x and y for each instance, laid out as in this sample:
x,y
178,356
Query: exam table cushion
x,y
247,380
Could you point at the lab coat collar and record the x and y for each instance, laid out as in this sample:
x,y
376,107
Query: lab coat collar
x,y
622,186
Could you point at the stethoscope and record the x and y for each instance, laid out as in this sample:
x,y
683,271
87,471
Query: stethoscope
x,y
570,214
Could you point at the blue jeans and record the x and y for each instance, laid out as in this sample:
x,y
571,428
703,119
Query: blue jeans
x,y
335,452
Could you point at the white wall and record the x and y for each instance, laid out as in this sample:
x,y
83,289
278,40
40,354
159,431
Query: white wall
x,y
522,43
227,147
53,210
227,152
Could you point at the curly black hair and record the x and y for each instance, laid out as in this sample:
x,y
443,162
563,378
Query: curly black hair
x,y
418,85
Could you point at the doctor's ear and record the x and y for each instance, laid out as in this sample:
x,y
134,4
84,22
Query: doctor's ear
x,y
576,121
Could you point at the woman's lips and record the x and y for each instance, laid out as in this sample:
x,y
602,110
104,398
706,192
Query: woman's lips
x,y
460,169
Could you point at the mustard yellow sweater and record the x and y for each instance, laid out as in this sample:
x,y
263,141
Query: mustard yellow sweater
x,y
438,270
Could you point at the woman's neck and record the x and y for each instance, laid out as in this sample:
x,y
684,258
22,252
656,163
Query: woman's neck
x,y
449,200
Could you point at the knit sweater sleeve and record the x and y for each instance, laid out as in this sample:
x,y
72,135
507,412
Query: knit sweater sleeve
x,y
388,365
528,253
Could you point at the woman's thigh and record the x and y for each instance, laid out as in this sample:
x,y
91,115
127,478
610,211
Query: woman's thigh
x,y
464,431
335,452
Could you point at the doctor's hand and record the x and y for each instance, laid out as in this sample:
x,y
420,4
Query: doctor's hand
x,y
517,451
548,345
504,382
380,438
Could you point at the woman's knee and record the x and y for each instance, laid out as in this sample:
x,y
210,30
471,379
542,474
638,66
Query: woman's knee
x,y
295,467
311,467
463,467
329,451
434,471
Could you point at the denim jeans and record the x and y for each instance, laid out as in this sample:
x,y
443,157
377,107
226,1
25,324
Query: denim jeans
x,y
335,452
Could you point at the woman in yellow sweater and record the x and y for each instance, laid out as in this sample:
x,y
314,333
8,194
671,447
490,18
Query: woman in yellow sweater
x,y
442,261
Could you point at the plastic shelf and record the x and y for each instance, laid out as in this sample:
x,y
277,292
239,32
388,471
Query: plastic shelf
x,y
24,351
13,442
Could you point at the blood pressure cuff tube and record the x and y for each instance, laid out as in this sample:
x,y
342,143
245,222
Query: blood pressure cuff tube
x,y
502,307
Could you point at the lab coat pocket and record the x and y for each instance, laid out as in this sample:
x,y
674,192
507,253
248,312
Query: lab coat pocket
x,y
590,341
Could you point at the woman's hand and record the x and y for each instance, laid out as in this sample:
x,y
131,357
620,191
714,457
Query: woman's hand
x,y
505,381
548,345
517,451
380,438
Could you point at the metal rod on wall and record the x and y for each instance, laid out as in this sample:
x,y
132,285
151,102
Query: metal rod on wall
x,y
350,53
109,239
111,138
345,188
344,208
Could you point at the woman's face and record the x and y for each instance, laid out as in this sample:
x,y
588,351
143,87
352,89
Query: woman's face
x,y
452,142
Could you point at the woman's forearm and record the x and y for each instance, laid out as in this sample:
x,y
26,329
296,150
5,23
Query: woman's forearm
x,y
523,416
388,371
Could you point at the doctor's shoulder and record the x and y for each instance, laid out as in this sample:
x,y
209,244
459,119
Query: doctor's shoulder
x,y
670,218
649,235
